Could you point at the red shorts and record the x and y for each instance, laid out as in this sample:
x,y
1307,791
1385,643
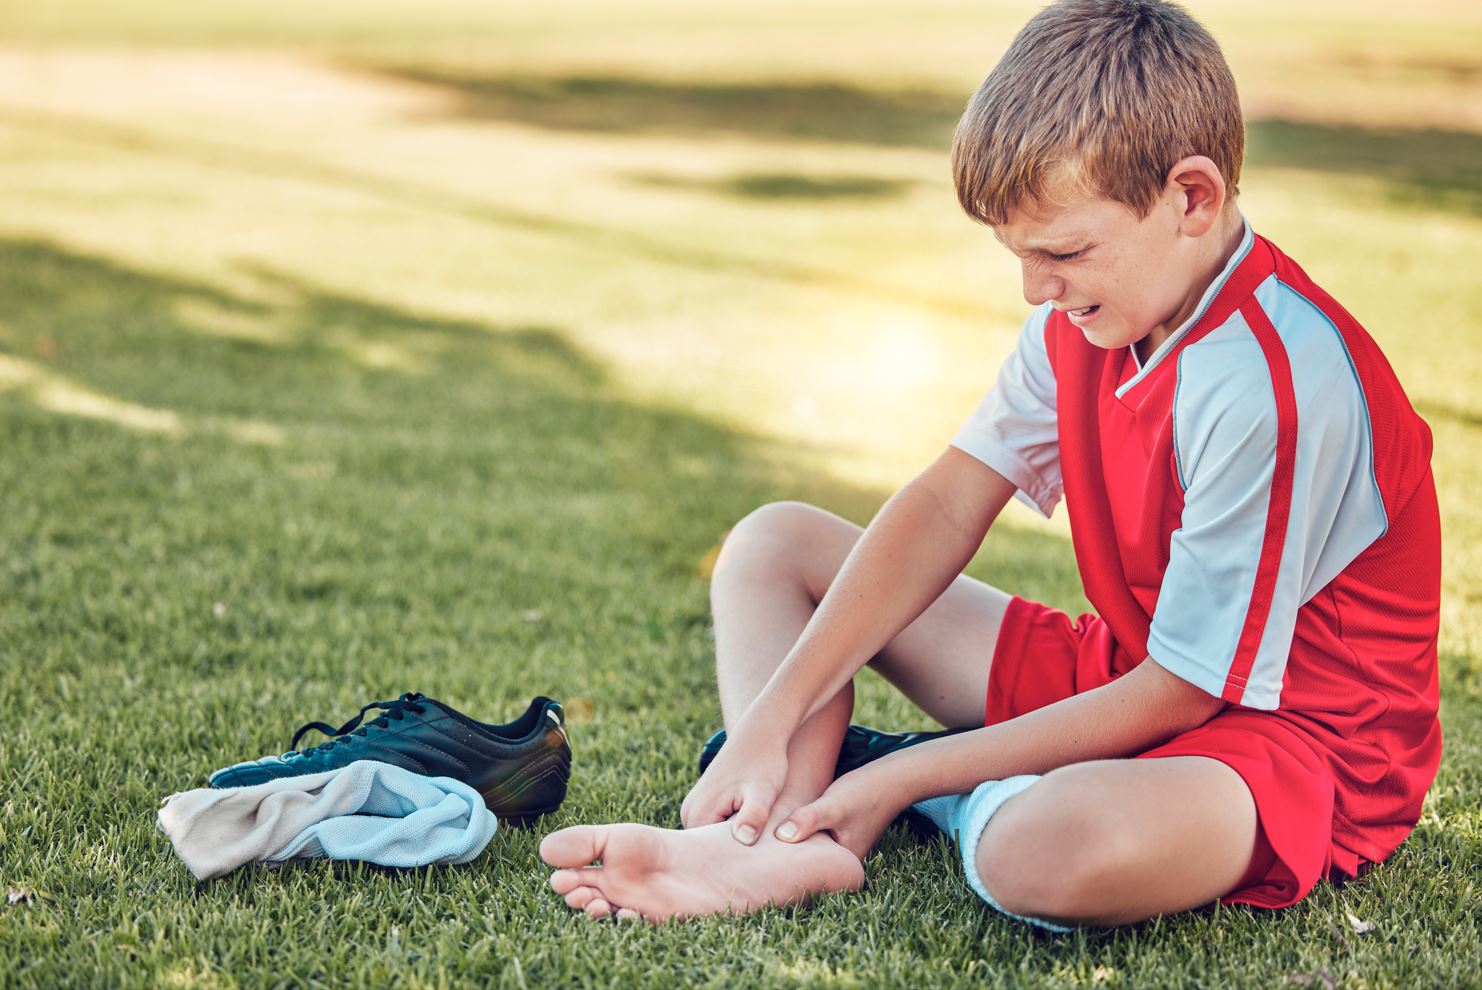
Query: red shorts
x,y
1043,656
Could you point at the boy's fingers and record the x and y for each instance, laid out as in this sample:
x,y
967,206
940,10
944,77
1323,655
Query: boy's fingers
x,y
804,822
747,823
684,809
696,811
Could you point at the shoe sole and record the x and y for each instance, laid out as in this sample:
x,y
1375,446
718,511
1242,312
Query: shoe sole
x,y
526,819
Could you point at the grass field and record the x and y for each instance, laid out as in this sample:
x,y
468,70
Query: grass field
x,y
354,348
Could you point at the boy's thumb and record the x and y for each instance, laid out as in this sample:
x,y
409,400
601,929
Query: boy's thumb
x,y
804,822
748,821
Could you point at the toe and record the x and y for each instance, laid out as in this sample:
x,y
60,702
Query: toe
x,y
628,914
563,881
579,898
598,907
574,846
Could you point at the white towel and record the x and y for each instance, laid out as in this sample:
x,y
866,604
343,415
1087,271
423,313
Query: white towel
x,y
367,811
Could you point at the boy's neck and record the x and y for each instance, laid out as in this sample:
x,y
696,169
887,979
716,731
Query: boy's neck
x,y
1224,243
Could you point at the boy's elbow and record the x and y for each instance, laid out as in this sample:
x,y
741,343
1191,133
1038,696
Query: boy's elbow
x,y
968,493
1188,705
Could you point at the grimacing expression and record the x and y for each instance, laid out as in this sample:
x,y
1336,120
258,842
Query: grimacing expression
x,y
1121,279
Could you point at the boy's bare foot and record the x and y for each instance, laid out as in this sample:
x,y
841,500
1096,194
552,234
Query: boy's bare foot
x,y
662,873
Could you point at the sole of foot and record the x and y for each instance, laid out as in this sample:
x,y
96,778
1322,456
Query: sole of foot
x,y
631,871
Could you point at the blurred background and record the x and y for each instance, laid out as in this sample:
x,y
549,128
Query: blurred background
x,y
743,208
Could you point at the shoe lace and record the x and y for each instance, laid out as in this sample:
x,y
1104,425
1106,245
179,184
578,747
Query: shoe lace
x,y
392,711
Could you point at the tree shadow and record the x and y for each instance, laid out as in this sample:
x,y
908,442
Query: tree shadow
x,y
450,484
612,104
1423,64
783,186
461,207
1422,167
1426,167
1437,410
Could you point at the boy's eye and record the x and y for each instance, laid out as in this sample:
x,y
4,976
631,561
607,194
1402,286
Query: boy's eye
x,y
1067,257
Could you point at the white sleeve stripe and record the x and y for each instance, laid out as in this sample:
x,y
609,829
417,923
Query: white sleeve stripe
x,y
1358,383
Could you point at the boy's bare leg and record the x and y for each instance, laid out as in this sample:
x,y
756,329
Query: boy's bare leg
x,y
1113,842
775,568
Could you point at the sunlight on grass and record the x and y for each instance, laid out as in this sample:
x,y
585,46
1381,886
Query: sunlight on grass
x,y
252,432
209,317
54,392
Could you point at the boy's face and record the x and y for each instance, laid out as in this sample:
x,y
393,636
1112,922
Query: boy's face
x,y
1119,278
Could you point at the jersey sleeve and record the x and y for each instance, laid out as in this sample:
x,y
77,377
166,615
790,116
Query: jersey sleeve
x,y
1014,429
1279,496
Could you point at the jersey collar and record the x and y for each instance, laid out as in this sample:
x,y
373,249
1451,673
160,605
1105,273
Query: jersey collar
x,y
1226,288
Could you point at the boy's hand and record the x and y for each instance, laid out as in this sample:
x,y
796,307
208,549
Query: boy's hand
x,y
855,810
741,784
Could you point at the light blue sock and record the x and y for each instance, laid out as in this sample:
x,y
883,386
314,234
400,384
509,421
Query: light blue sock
x,y
942,811
964,817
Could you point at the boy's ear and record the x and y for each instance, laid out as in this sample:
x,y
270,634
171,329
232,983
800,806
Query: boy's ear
x,y
1198,190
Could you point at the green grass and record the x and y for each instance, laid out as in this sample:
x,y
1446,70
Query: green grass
x,y
348,349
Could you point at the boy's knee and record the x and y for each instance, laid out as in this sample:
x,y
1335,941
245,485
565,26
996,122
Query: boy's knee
x,y
1048,853
770,534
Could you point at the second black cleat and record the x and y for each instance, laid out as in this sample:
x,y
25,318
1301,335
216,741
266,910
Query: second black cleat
x,y
862,745
521,767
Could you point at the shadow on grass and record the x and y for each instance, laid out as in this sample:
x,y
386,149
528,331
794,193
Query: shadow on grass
x,y
1436,410
612,104
1423,167
436,486
455,205
784,186
1432,168
1423,65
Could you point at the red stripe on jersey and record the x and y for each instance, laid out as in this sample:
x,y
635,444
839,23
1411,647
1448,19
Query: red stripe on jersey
x,y
1278,509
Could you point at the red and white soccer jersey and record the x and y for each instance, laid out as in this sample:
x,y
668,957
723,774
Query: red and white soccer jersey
x,y
1252,508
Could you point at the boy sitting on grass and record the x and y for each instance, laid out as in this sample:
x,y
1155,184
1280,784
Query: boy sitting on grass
x,y
1253,705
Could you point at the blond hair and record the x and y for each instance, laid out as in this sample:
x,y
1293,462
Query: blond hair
x,y
1105,94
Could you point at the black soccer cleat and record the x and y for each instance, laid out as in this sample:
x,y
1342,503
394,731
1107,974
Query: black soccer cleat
x,y
521,768
862,745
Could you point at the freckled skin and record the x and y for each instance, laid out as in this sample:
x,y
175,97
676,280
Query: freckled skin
x,y
1146,273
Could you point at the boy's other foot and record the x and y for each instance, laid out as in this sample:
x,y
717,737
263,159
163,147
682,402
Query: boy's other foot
x,y
862,745
660,873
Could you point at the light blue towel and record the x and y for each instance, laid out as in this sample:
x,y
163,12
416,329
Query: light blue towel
x,y
367,811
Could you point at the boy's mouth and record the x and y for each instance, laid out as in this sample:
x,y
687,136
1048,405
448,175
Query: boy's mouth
x,y
1080,316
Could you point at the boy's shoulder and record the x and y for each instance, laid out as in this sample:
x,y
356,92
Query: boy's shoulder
x,y
1281,337
1289,366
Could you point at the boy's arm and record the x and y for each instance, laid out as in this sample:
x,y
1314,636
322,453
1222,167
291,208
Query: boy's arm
x,y
1139,710
914,548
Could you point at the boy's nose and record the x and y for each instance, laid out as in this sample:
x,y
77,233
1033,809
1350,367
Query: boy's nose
x,y
1040,288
